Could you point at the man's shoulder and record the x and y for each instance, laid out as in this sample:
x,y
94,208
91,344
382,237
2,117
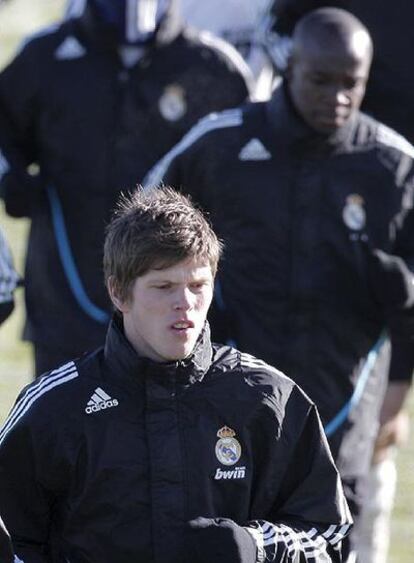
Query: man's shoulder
x,y
55,397
214,49
213,132
230,123
44,39
259,373
252,371
373,133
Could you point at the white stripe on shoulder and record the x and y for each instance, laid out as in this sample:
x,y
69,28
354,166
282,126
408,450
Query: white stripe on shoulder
x,y
214,42
57,377
249,361
222,120
391,138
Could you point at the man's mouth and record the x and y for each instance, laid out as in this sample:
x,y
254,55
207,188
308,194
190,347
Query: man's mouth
x,y
339,114
183,325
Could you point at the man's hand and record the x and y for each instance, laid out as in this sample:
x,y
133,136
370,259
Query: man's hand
x,y
392,433
220,540
394,422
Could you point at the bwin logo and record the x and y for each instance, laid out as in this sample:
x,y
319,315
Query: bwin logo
x,y
100,401
236,473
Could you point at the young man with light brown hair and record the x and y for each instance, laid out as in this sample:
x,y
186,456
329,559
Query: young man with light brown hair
x,y
162,447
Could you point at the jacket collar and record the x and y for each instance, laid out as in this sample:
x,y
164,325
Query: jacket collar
x,y
91,32
125,362
285,121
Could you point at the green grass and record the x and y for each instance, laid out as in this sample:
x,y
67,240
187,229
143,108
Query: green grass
x,y
22,16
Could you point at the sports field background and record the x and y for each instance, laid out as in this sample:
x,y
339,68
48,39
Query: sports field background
x,y
18,18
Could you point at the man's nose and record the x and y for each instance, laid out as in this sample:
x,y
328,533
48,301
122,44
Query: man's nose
x,y
337,95
183,299
341,97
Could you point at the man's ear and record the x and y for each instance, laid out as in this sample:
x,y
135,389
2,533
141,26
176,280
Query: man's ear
x,y
114,294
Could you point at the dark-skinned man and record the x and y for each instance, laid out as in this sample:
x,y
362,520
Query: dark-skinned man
x,y
314,202
388,98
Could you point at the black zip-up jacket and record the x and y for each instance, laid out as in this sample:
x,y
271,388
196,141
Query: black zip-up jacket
x,y
95,127
308,224
106,459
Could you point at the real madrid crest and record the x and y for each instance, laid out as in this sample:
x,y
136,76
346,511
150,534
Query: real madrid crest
x,y
354,214
172,103
228,449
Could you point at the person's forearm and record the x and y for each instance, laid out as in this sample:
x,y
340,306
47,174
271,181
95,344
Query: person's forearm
x,y
395,396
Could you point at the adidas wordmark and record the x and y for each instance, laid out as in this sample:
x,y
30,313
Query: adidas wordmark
x,y
100,401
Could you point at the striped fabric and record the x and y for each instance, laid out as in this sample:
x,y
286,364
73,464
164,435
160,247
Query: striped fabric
x,y
57,377
390,138
8,275
280,542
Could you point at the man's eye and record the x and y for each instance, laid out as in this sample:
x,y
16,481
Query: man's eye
x,y
198,285
162,286
319,80
352,83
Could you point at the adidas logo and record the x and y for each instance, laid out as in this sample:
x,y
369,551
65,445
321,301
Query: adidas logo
x,y
254,150
70,49
100,401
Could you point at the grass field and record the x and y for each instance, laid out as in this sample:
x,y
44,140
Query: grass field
x,y
18,17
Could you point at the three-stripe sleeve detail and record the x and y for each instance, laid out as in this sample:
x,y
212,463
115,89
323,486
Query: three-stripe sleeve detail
x,y
45,384
278,540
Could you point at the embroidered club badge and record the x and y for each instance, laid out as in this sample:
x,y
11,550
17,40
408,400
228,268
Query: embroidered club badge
x,y
354,214
172,103
228,449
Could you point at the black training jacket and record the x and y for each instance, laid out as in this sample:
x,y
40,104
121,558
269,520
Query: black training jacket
x,y
302,217
105,459
94,127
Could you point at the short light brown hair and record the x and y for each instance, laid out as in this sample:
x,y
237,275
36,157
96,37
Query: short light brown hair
x,y
155,229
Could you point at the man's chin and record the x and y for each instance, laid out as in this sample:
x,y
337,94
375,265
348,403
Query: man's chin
x,y
328,125
180,354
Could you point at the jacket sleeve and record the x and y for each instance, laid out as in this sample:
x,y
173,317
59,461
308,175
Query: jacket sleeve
x,y
311,517
391,276
168,170
18,111
25,503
